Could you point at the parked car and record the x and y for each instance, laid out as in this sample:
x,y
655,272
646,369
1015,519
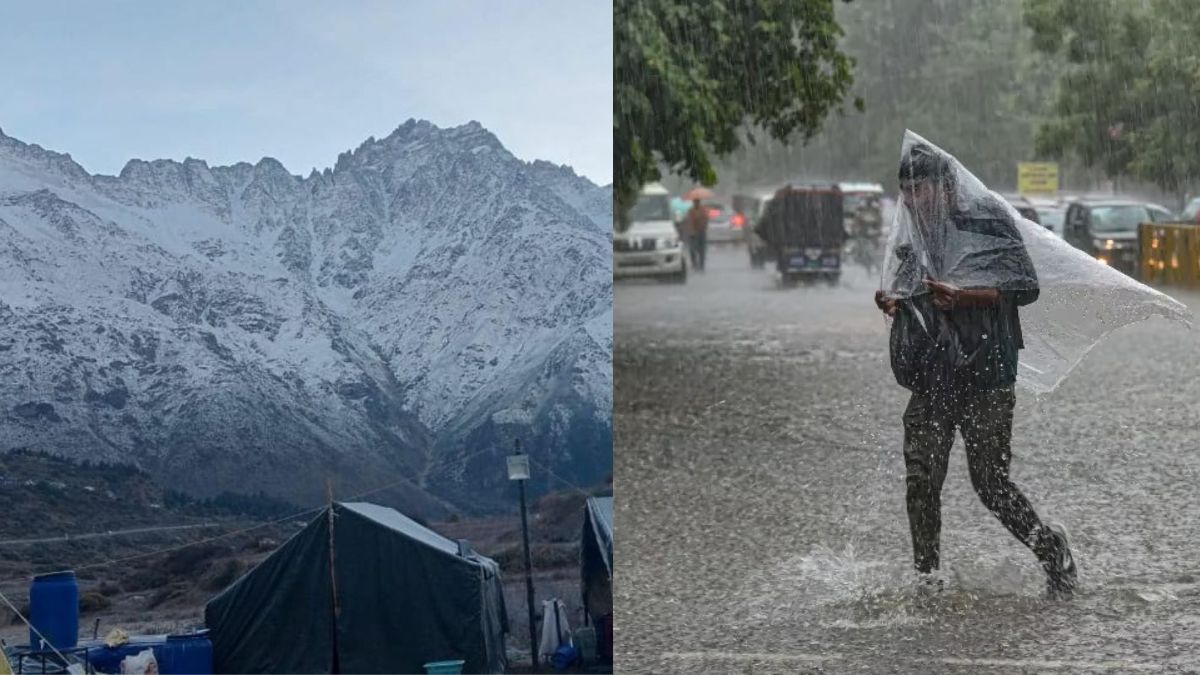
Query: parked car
x,y
1191,212
1107,229
1024,207
1052,218
1160,214
1050,212
649,245
747,211
722,228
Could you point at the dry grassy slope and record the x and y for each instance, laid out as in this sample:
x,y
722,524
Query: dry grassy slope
x,y
555,524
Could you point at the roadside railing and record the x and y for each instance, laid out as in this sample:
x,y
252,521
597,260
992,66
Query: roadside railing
x,y
1169,254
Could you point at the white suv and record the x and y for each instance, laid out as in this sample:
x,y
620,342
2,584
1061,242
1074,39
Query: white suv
x,y
1191,212
650,246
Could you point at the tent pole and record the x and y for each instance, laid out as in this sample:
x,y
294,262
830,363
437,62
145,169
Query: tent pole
x,y
584,576
333,574
533,645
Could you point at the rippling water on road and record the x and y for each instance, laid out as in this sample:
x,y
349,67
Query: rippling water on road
x,y
761,496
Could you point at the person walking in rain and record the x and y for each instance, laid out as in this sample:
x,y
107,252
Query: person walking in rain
x,y
958,273
695,223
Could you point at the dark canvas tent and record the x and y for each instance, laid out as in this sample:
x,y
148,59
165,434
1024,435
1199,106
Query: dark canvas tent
x,y
595,556
404,596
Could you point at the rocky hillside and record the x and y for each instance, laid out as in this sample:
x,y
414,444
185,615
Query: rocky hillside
x,y
397,318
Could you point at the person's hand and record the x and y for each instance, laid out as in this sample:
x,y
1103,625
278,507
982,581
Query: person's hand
x,y
887,305
949,296
945,296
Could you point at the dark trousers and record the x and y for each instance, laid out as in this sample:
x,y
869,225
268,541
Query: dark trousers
x,y
697,244
985,419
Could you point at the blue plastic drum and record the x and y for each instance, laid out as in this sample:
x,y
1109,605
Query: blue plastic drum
x,y
54,610
190,654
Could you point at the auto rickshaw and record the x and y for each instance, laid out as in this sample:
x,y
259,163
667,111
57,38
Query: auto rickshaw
x,y
804,226
862,209
863,219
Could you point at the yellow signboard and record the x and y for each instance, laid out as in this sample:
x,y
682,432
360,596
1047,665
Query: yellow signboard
x,y
1035,178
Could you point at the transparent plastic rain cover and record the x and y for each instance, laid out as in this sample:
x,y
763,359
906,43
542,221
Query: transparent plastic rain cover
x,y
949,227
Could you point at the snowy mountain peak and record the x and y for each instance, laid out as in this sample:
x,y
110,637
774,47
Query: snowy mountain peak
x,y
134,169
476,135
271,164
429,297
415,143
542,165
411,126
273,169
60,164
576,190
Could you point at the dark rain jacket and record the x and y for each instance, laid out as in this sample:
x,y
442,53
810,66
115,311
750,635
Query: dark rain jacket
x,y
935,350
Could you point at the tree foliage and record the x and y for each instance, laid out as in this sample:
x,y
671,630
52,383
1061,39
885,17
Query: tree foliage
x,y
690,76
1128,100
960,72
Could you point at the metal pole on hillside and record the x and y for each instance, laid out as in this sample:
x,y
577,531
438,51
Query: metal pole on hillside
x,y
518,470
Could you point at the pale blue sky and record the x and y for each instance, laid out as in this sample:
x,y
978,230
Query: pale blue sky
x,y
301,81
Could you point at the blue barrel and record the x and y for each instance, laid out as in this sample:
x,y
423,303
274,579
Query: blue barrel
x,y
190,654
54,610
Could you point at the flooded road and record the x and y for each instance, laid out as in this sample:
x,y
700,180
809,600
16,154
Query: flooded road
x,y
761,508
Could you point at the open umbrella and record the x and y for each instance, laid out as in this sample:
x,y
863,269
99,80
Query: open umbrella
x,y
698,193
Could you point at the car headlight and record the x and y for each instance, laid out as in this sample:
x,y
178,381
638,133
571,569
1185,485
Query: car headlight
x,y
668,242
1111,244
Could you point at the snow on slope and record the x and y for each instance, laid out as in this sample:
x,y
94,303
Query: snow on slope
x,y
251,329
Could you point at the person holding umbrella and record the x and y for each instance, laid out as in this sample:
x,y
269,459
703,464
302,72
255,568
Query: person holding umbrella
x,y
695,226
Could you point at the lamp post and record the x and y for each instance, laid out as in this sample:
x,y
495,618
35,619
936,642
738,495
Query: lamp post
x,y
518,470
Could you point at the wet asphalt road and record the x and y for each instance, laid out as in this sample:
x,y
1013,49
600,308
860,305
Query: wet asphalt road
x,y
760,518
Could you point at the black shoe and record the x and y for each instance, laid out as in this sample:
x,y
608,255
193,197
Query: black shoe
x,y
1060,565
929,583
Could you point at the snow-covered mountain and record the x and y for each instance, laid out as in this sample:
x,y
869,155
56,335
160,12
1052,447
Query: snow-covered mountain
x,y
579,192
397,318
